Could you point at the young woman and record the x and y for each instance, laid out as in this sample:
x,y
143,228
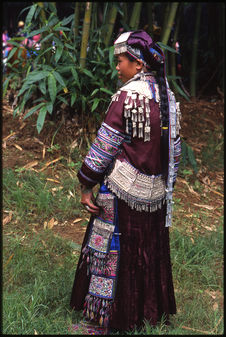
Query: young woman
x,y
124,272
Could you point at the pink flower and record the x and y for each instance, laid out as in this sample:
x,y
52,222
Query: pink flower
x,y
98,240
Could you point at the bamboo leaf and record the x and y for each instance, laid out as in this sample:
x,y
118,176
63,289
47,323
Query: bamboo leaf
x,y
30,14
62,99
180,91
107,91
58,53
5,86
52,87
42,87
73,98
12,52
95,104
41,118
15,111
24,88
62,29
94,92
38,31
75,75
164,46
67,20
49,107
46,37
59,78
15,43
33,110
114,73
88,73
36,76
111,56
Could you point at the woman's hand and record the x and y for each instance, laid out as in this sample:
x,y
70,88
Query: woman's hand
x,y
88,200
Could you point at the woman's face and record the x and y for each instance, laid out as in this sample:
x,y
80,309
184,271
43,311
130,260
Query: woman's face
x,y
127,69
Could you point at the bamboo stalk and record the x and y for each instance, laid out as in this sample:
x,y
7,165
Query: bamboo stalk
x,y
150,18
110,25
193,73
76,18
170,21
173,55
125,12
45,45
166,16
94,16
135,18
85,34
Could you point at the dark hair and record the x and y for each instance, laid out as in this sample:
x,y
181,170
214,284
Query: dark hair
x,y
164,110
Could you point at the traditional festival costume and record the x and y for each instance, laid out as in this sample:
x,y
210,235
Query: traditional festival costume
x,y
124,272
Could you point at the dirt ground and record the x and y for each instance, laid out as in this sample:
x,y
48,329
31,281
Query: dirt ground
x,y
22,146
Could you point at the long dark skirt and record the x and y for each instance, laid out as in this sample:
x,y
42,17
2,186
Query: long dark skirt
x,y
144,287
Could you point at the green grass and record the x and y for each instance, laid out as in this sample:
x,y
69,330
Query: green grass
x,y
32,194
212,154
39,267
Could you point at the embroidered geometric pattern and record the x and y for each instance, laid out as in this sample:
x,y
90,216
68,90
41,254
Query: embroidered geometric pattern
x,y
104,148
106,203
101,286
111,264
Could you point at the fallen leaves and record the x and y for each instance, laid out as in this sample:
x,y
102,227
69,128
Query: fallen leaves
x,y
205,206
9,259
190,188
7,218
49,224
9,136
18,147
49,163
30,165
53,180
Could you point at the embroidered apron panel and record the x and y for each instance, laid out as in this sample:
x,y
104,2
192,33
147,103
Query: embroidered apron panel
x,y
102,255
101,235
101,286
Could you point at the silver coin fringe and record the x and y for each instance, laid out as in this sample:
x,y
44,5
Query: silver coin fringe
x,y
141,192
137,107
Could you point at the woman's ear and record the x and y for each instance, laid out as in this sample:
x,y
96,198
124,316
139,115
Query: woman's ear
x,y
139,65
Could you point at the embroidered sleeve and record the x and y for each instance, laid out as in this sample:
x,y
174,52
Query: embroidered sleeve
x,y
101,154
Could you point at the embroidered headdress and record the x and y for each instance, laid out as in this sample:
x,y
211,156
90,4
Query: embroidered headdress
x,y
140,46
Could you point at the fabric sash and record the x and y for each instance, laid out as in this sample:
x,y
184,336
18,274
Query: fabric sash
x,y
102,252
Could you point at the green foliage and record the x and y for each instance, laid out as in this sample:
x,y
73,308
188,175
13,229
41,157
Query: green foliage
x,y
213,154
187,157
45,86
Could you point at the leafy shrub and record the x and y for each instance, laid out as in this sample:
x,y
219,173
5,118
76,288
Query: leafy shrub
x,y
52,77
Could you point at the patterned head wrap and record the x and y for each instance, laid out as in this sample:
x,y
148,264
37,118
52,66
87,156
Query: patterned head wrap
x,y
140,46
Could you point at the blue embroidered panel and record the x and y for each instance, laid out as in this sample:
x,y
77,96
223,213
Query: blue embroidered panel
x,y
104,148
